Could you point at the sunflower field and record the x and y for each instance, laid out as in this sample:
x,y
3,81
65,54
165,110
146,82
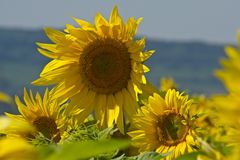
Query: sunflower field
x,y
99,105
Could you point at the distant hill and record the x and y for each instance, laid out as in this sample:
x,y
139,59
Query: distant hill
x,y
190,63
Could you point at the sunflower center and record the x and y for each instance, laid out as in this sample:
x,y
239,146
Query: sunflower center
x,y
106,66
171,128
48,128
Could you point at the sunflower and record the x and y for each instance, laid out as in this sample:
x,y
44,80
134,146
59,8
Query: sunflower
x,y
18,128
17,149
99,67
4,122
165,126
44,115
230,73
228,105
228,112
207,118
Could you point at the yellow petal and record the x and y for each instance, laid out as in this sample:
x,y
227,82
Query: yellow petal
x,y
120,120
100,20
114,17
49,47
110,110
140,68
84,24
27,99
130,105
55,35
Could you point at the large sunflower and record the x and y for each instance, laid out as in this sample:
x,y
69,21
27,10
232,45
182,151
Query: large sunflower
x,y
100,67
165,126
44,115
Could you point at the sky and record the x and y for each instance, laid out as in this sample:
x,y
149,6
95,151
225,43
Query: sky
x,y
215,21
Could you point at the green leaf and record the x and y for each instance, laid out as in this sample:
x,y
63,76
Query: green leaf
x,y
149,156
85,132
106,133
87,149
40,140
46,150
122,157
190,156
223,148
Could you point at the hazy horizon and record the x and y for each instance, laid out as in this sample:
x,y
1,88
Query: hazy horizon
x,y
212,21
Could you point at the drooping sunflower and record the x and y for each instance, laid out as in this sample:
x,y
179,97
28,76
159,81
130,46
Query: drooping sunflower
x,y
100,67
228,106
165,126
44,114
230,73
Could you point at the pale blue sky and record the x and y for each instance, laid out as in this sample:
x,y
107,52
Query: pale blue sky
x,y
204,20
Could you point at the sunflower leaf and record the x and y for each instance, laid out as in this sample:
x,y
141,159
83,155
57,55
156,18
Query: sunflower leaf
x,y
148,156
87,149
190,156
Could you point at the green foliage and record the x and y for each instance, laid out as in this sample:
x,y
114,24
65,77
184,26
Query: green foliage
x,y
87,141
150,156
144,156
89,131
82,150
222,148
40,140
46,151
84,132
190,156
